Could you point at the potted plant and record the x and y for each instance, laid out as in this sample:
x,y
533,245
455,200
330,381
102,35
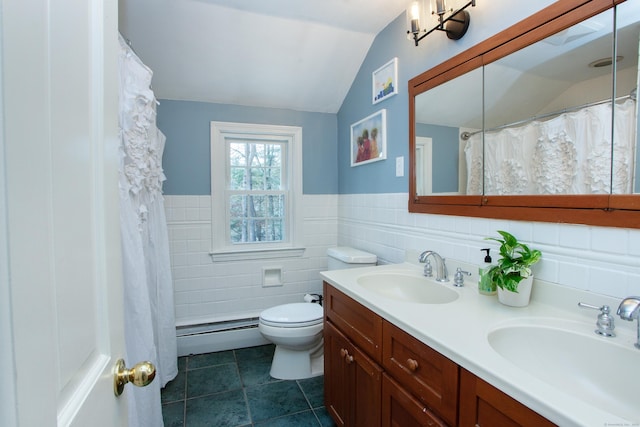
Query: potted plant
x,y
512,274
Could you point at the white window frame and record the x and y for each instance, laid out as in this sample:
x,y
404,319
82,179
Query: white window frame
x,y
222,249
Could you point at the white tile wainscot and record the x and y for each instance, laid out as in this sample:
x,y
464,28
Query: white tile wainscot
x,y
597,259
207,292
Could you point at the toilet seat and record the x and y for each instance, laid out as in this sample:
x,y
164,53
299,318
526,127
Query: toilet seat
x,y
295,315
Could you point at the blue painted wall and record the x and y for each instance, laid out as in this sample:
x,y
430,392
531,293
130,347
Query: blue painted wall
x,y
392,42
377,177
187,159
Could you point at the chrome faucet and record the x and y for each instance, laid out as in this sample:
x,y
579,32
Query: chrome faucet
x,y
629,309
441,267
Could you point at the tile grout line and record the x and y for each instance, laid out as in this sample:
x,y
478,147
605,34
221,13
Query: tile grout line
x,y
308,402
184,402
244,388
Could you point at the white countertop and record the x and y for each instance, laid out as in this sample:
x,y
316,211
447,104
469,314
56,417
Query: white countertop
x,y
459,331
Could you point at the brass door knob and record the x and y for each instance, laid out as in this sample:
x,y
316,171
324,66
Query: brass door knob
x,y
140,375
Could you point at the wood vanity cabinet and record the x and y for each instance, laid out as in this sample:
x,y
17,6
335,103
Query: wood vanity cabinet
x,y
376,374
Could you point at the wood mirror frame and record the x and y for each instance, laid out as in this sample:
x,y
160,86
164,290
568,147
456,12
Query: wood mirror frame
x,y
599,209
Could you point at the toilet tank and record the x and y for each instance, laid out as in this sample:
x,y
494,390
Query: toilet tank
x,y
342,257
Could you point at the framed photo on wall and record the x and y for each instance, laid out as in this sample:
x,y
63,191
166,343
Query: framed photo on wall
x,y
369,139
385,81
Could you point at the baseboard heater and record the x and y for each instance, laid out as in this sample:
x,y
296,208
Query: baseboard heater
x,y
219,336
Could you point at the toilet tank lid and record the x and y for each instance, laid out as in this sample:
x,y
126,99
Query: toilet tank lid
x,y
351,255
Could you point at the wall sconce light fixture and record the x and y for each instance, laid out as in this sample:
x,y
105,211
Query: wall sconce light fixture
x,y
450,18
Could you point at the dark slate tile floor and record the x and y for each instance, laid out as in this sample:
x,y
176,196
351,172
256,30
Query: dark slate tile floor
x,y
234,389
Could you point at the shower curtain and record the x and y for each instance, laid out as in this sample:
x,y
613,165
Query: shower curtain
x,y
569,154
148,291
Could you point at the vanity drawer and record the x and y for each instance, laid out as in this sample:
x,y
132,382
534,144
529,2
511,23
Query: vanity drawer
x,y
361,325
399,408
428,375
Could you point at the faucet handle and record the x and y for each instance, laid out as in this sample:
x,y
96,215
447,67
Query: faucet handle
x,y
605,322
428,269
458,279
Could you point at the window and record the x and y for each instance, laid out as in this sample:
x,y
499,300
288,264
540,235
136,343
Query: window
x,y
256,176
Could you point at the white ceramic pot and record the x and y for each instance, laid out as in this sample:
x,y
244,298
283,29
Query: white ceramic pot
x,y
517,299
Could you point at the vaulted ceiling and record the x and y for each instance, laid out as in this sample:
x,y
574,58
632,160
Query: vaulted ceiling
x,y
291,54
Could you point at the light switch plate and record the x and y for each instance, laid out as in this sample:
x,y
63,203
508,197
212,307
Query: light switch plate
x,y
400,166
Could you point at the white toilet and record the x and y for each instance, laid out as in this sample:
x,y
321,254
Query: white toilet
x,y
296,329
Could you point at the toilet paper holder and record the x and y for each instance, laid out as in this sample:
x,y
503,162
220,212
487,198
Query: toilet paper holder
x,y
316,298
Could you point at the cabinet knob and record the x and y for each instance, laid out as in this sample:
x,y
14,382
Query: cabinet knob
x,y
412,364
344,353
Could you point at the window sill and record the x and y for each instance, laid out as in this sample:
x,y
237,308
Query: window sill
x,y
256,254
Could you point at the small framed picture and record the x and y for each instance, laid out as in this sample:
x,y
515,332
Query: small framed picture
x,y
369,139
385,81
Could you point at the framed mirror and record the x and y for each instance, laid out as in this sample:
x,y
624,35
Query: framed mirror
x,y
539,122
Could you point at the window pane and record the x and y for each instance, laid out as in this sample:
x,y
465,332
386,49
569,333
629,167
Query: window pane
x,y
256,206
257,218
255,166
257,155
257,179
238,207
273,179
276,206
238,227
274,157
238,153
238,178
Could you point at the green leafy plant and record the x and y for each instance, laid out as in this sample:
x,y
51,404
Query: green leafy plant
x,y
515,262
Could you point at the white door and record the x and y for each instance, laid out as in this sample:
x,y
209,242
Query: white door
x,y
60,255
424,166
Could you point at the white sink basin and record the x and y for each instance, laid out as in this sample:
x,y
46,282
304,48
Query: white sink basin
x,y
600,371
407,288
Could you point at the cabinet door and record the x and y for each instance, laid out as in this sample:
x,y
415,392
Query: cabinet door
x,y
336,374
399,408
352,381
482,405
361,325
366,391
427,374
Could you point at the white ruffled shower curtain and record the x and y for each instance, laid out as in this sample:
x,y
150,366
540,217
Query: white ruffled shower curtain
x,y
148,290
569,154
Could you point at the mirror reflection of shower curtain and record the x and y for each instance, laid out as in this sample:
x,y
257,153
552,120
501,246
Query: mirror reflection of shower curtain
x,y
148,289
568,154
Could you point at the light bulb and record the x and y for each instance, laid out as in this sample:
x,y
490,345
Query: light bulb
x,y
438,7
414,14
415,10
